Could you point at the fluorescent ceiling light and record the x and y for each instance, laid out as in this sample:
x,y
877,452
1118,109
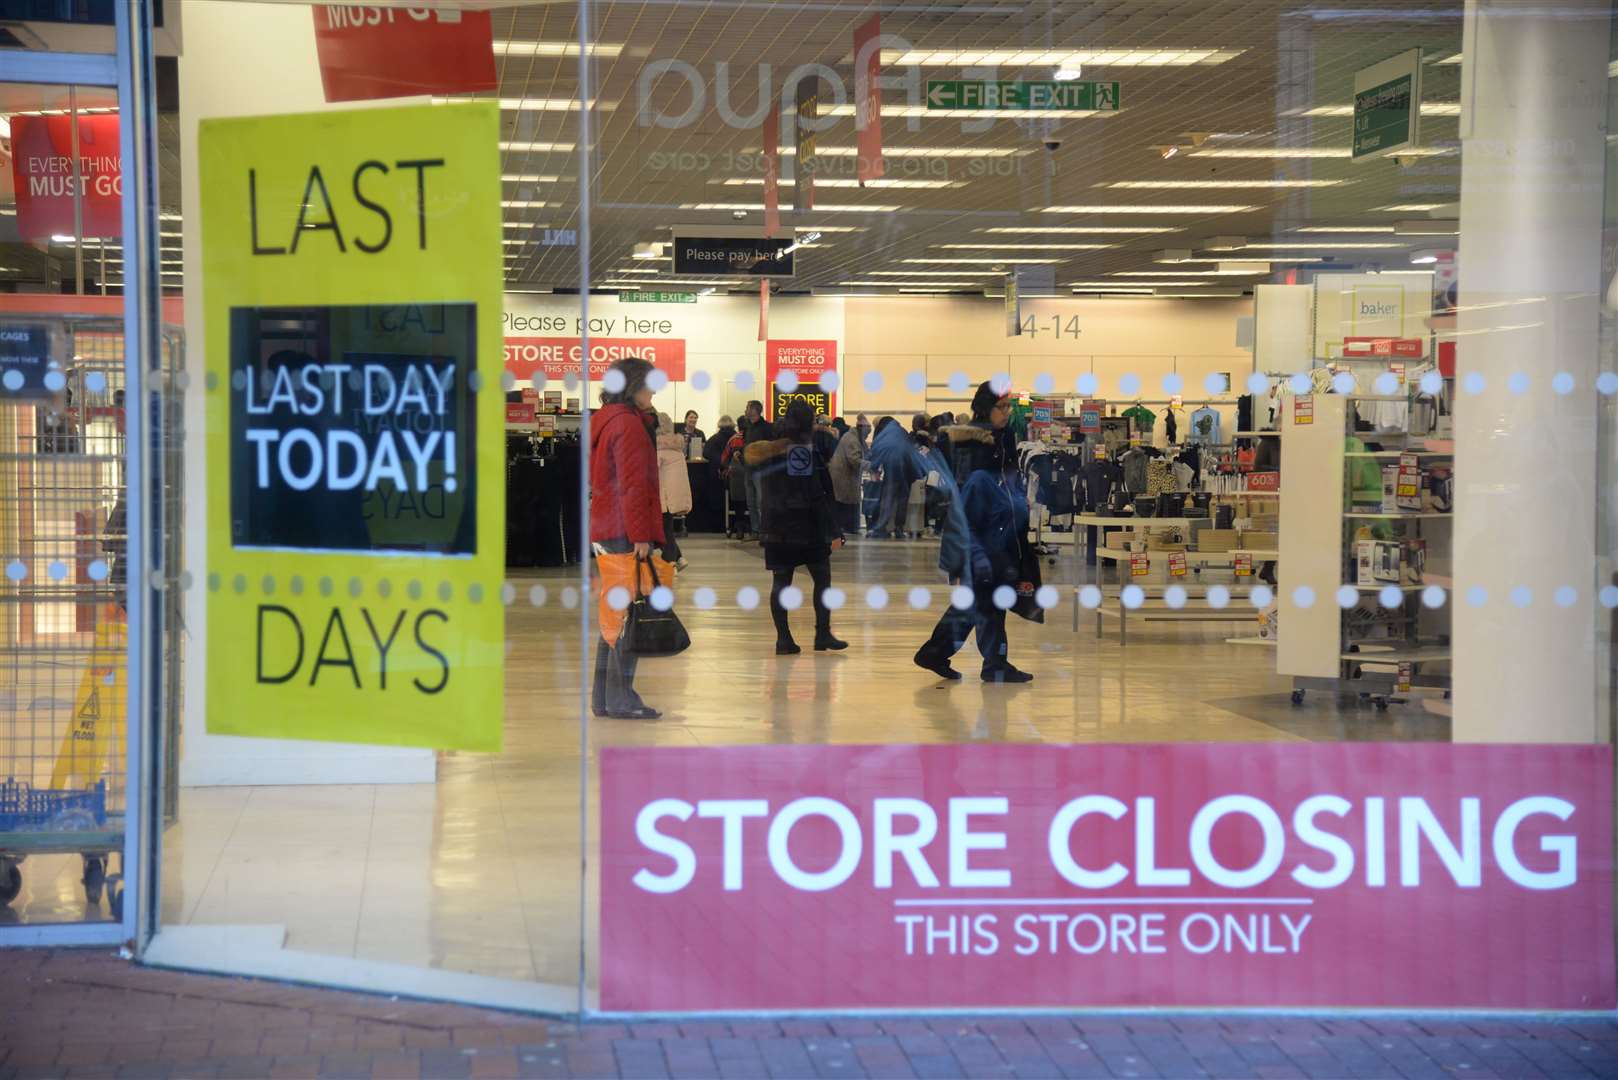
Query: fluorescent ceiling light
x,y
1417,260
832,228
63,238
1409,208
1068,74
1115,292
842,182
510,242
1428,108
552,104
1430,227
984,262
922,112
1210,208
933,273
1316,245
1345,229
1010,246
1285,152
1186,273
1123,286
523,204
1213,294
925,292
894,284
1083,230
917,151
1222,184
555,48
680,281
1056,58
537,147
819,208
532,178
1452,58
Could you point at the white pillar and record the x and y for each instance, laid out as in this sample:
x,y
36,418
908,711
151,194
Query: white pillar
x,y
1533,99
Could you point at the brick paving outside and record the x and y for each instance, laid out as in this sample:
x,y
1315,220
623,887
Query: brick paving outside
x,y
84,1013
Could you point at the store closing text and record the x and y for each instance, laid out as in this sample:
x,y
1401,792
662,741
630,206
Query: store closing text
x,y
1140,933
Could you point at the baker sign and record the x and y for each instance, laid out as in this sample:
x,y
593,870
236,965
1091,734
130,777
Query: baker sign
x,y
1394,875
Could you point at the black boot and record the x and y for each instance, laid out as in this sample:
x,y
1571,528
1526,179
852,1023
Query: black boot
x,y
785,646
938,665
825,642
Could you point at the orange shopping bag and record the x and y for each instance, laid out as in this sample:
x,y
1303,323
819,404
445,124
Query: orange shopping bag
x,y
618,571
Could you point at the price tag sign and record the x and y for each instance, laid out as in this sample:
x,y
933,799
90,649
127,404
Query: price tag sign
x,y
547,424
1401,683
1243,563
1099,453
1140,564
1177,564
1303,410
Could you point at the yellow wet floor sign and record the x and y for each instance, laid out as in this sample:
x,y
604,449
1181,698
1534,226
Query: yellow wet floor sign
x,y
94,743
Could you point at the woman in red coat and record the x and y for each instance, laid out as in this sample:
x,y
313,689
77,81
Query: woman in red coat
x,y
626,512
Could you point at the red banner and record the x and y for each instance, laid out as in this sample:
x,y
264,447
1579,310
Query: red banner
x,y
1356,875
520,413
42,171
1264,481
868,165
556,357
772,171
369,51
1382,346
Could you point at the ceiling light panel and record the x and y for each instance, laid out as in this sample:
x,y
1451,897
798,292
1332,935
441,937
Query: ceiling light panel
x,y
1316,245
963,272
1081,230
918,151
1308,152
537,147
825,182
1345,229
922,112
1059,58
1174,185
1015,246
1208,208
819,208
1409,208
895,284
1428,108
985,262
604,49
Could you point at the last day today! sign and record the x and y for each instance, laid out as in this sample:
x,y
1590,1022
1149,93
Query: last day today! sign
x,y
356,490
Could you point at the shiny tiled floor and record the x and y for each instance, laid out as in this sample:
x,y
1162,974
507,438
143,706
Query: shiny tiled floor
x,y
480,871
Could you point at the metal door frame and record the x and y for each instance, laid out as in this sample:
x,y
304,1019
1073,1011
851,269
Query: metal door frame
x,y
130,69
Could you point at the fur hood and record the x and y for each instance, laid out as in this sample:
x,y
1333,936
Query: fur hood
x,y
758,453
964,433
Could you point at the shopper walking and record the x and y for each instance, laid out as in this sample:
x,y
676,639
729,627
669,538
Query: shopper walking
x,y
846,464
758,430
714,449
673,484
983,545
625,519
799,521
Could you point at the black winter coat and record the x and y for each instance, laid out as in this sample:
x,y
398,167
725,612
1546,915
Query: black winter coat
x,y
799,507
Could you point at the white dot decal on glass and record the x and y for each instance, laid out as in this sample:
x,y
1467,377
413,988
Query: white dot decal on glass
x,y
1047,597
1347,597
1133,596
744,380
662,598
539,380
1433,596
920,598
1474,383
1518,382
211,381
1174,383
960,597
657,380
1303,597
474,381
267,585
747,598
1258,383
570,381
1090,597
1477,596
15,570
1432,383
701,380
238,380
508,594
537,596
1260,596
1044,383
1608,596
1004,597
1566,596
570,598
958,382
98,570
1607,383
1000,383
1129,384
876,598
1214,383
1391,597
787,381
705,598
186,582
238,584
1300,383
508,381
1343,382
831,382
1521,596
1086,384
95,382
1386,384
1563,383
1218,597
791,597
54,381
57,571
13,380
1175,596
834,599
916,382
872,381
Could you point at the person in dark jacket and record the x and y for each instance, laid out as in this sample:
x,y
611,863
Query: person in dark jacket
x,y
987,554
714,449
626,514
758,429
799,520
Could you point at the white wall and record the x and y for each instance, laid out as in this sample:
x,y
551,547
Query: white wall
x,y
242,60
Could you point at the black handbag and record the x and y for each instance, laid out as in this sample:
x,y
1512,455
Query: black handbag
x,y
1028,583
648,631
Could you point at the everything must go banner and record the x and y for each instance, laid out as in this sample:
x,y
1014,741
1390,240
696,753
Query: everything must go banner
x,y
355,426
1359,875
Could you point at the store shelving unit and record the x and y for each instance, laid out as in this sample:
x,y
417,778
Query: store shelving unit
x,y
1322,646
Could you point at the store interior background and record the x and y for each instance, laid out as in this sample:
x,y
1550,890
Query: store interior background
x,y
457,873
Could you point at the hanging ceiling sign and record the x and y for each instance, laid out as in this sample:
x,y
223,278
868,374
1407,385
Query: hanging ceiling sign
x,y
731,256
1020,96
373,51
1387,106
